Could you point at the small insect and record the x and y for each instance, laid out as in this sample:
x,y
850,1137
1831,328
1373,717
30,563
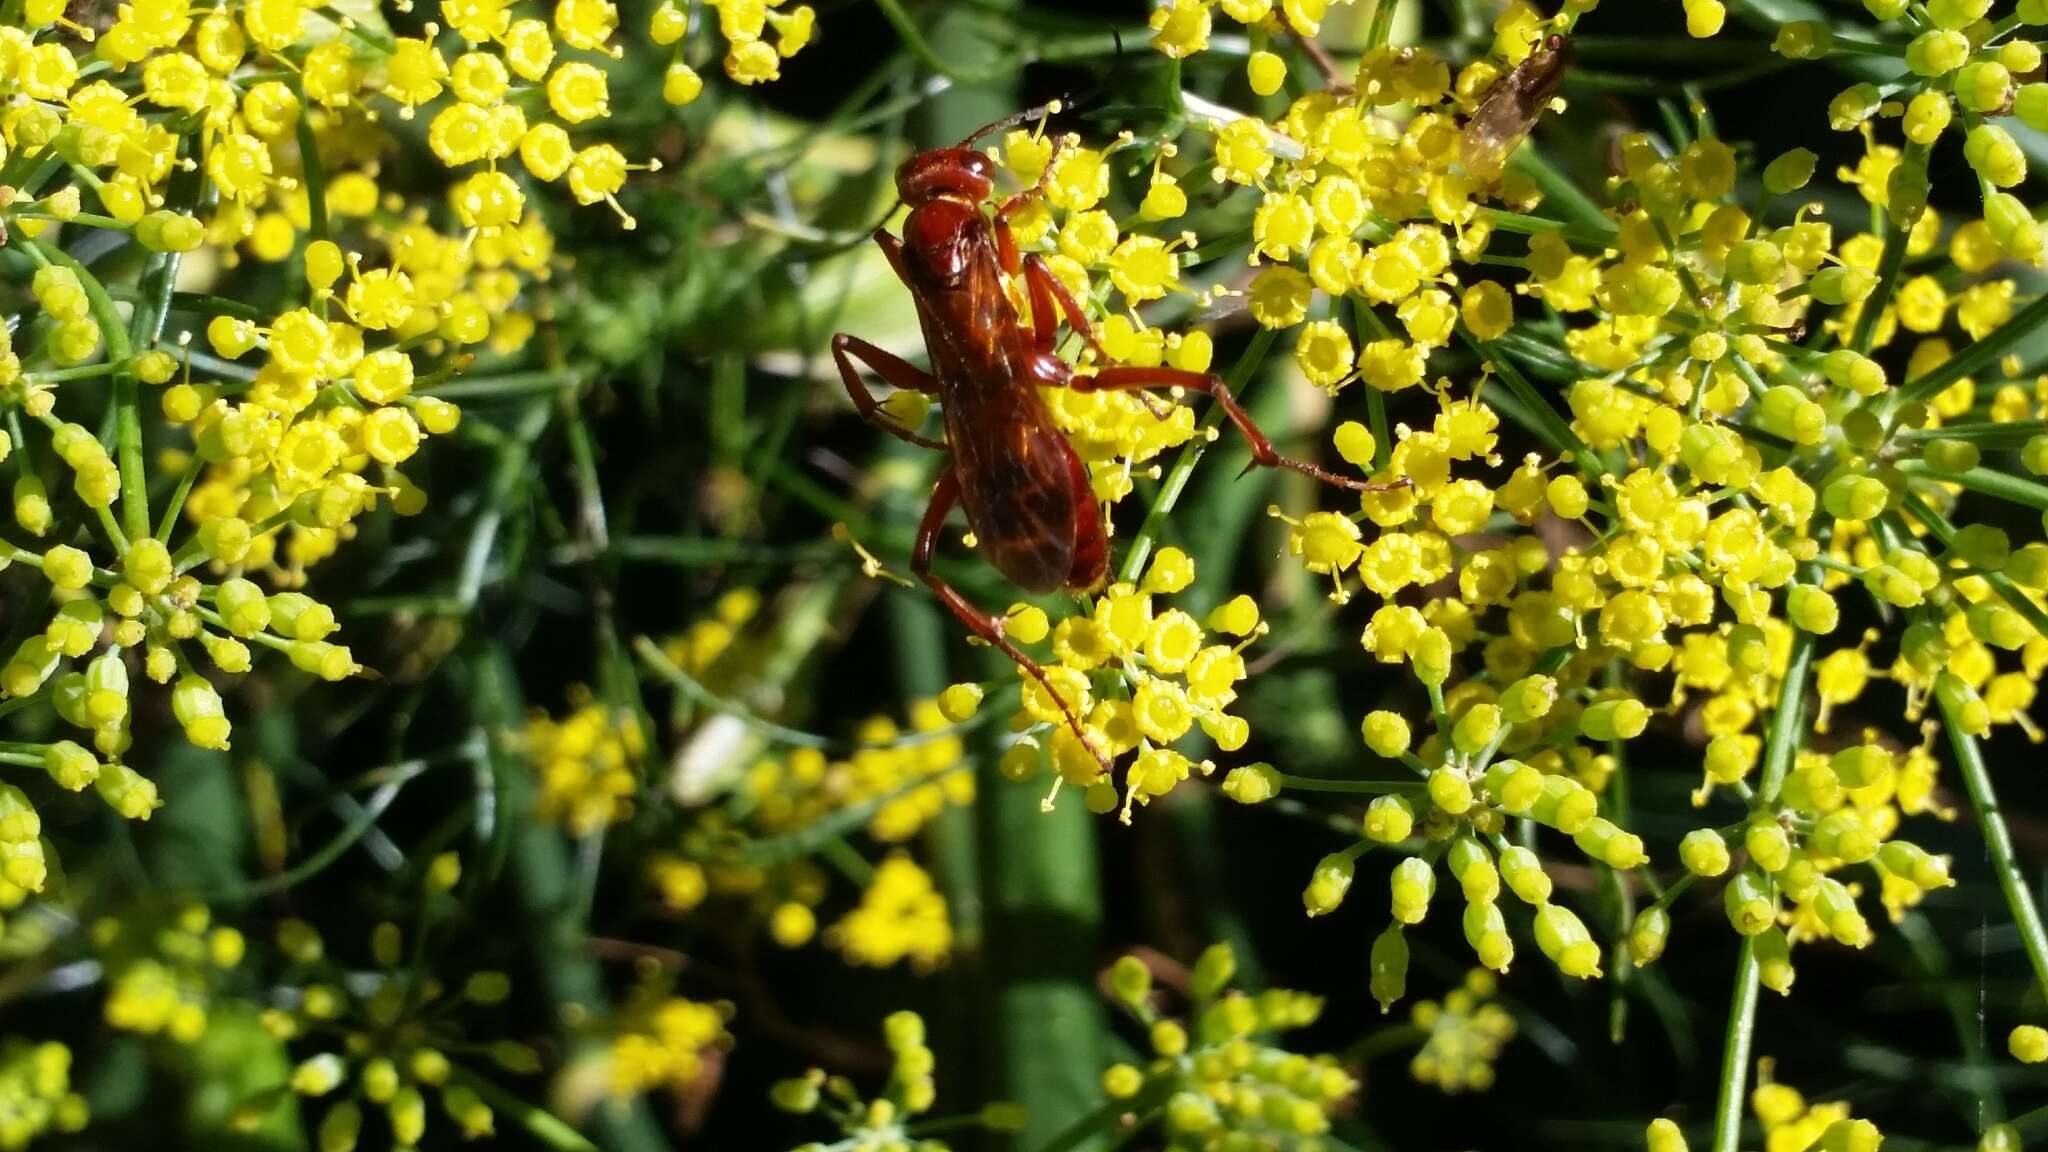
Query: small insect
x,y
1511,107
1026,491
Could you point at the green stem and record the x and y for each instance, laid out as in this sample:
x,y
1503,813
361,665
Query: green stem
x,y
1786,724
1989,481
536,1121
1998,843
1977,356
1316,784
1176,481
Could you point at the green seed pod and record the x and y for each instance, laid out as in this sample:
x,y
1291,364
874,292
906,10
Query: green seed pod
x,y
1130,980
1983,546
1774,960
2028,567
1514,786
1951,456
1959,702
1855,497
1983,86
1564,939
1622,719
1838,285
1862,765
1486,930
1389,966
1998,626
1472,866
1601,840
1214,969
1786,411
1648,936
1527,699
1812,609
1566,805
1843,835
2031,106
1750,907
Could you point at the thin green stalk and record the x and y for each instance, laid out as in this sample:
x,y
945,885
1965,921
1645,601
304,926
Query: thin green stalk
x,y
1787,722
537,1122
1983,433
1888,267
1989,481
120,350
1977,356
1998,843
1373,787
1176,481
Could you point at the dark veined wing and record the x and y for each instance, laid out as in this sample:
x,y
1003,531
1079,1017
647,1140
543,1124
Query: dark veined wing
x,y
1017,472
1017,481
1511,108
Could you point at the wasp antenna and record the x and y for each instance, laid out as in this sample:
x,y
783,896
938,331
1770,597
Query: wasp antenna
x,y
1029,115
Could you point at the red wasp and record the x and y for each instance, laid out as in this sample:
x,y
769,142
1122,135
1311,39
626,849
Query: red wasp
x,y
1025,489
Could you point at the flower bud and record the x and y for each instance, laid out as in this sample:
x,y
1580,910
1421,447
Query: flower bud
x,y
1413,883
1214,969
1564,939
1750,907
1389,819
1648,935
1472,866
1773,952
1525,877
1450,791
1389,967
1703,852
1622,719
2028,1044
1664,1136
1328,884
1130,980
1601,840
1252,783
1486,930
1386,733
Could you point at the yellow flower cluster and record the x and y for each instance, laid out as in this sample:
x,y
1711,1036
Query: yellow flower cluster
x,y
1175,673
901,916
35,1093
893,781
389,1042
1463,1036
162,978
745,24
1217,1079
586,763
660,1040
888,1122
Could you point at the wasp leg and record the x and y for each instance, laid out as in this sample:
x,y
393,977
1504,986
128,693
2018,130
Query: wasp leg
x,y
1047,288
1136,379
979,622
898,372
